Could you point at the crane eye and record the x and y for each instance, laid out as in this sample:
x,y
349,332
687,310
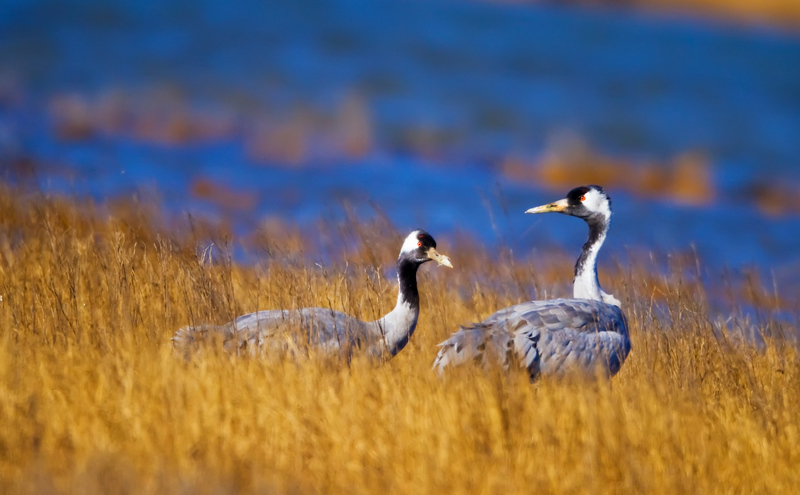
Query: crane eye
x,y
583,198
419,244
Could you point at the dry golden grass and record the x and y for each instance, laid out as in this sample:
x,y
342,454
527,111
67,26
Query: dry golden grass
x,y
94,401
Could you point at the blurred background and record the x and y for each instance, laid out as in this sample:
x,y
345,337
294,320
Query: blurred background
x,y
452,116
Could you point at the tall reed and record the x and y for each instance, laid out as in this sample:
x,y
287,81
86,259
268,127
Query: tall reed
x,y
95,401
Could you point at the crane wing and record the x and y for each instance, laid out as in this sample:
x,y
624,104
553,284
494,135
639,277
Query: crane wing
x,y
549,337
281,331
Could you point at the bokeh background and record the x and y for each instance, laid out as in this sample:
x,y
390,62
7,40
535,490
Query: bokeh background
x,y
448,115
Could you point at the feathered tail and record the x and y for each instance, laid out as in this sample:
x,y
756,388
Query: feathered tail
x,y
476,343
486,346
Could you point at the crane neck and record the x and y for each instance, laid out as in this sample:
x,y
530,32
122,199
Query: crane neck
x,y
586,285
397,327
407,283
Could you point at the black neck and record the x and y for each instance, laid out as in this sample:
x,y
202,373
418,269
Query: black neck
x,y
407,278
598,226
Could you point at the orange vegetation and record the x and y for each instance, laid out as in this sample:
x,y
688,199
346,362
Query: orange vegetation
x,y
306,134
164,116
224,197
779,12
161,117
775,198
782,13
686,179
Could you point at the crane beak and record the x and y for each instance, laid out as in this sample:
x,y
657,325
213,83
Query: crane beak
x,y
439,258
557,207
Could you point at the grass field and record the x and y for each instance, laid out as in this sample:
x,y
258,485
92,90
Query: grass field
x,y
95,401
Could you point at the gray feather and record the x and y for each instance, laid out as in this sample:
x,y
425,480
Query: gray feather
x,y
545,337
285,331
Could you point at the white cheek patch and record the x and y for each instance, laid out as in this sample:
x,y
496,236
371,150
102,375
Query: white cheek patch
x,y
595,201
411,243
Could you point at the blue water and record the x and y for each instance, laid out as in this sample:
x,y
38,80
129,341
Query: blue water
x,y
449,88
